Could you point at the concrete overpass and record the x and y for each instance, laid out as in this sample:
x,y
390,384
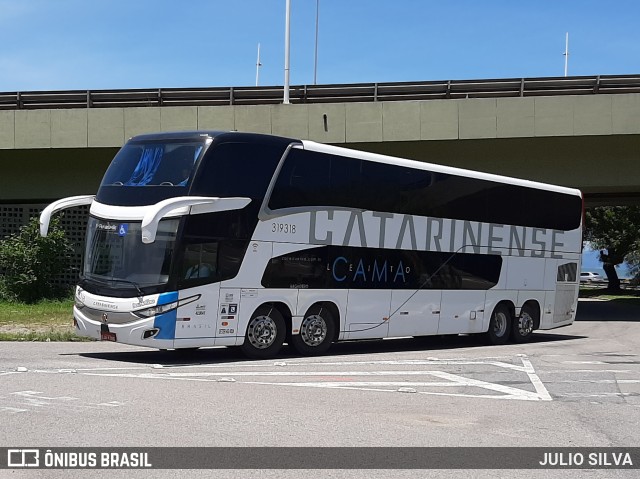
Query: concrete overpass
x,y
582,132
53,148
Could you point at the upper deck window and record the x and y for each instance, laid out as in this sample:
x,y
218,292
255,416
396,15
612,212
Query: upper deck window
x,y
145,172
237,169
311,179
153,164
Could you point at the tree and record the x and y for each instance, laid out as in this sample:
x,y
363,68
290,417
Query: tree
x,y
615,231
633,260
31,263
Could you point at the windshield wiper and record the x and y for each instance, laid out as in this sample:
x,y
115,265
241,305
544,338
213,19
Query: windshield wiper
x,y
84,279
132,283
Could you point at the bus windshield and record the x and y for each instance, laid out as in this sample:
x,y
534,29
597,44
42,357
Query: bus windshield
x,y
149,171
115,254
153,163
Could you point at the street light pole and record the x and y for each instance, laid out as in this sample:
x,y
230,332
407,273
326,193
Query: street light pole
x,y
258,65
315,59
287,22
566,55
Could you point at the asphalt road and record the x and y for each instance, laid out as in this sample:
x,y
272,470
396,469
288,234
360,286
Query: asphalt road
x,y
575,386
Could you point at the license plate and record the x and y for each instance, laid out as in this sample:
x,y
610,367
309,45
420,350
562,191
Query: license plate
x,y
106,336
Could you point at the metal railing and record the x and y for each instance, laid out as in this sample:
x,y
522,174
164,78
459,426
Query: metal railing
x,y
336,93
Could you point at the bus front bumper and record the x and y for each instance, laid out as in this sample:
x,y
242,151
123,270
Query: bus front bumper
x,y
140,332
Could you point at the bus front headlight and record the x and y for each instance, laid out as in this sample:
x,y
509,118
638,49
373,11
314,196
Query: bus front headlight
x,y
165,308
156,310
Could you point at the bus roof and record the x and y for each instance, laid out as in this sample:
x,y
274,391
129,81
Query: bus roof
x,y
220,135
213,134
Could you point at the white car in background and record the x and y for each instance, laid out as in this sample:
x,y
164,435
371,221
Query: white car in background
x,y
590,277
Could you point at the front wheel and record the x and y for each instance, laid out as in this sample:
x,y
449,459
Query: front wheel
x,y
265,333
316,332
499,325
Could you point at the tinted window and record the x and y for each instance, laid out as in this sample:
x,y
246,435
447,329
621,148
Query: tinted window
x,y
213,245
310,179
237,169
337,267
209,261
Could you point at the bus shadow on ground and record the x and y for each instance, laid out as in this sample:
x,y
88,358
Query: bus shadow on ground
x,y
221,355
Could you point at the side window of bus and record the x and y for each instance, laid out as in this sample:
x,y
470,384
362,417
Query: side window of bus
x,y
212,261
305,180
200,261
237,169
310,178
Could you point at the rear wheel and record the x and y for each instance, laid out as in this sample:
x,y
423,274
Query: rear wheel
x,y
265,333
317,331
522,328
499,325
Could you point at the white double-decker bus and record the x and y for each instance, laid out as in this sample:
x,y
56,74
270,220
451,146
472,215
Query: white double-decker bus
x,y
202,239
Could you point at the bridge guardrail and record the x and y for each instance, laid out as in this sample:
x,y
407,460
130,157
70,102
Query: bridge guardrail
x,y
330,93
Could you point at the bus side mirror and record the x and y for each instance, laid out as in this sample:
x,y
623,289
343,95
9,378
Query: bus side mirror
x,y
63,204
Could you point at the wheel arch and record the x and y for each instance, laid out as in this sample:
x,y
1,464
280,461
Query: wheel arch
x,y
534,304
509,305
282,308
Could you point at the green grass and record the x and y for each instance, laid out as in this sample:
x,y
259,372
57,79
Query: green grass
x,y
42,313
43,321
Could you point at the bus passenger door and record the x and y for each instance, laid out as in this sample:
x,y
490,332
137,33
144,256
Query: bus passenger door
x,y
414,313
367,313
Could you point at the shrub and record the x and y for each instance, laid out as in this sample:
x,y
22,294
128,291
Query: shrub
x,y
31,263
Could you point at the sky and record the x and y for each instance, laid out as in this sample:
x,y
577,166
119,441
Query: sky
x,y
105,44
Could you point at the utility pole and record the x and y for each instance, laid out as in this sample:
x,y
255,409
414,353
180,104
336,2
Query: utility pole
x,y
315,58
258,65
287,21
566,55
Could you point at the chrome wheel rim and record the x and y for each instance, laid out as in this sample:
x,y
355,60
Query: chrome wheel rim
x,y
525,324
313,330
262,332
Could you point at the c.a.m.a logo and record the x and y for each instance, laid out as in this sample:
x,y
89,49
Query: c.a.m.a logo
x,y
346,267
361,270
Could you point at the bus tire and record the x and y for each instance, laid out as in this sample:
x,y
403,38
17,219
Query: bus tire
x,y
523,325
265,333
317,331
499,325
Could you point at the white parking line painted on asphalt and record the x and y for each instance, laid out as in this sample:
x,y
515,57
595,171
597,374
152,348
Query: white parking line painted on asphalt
x,y
26,401
535,380
12,410
453,380
327,378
